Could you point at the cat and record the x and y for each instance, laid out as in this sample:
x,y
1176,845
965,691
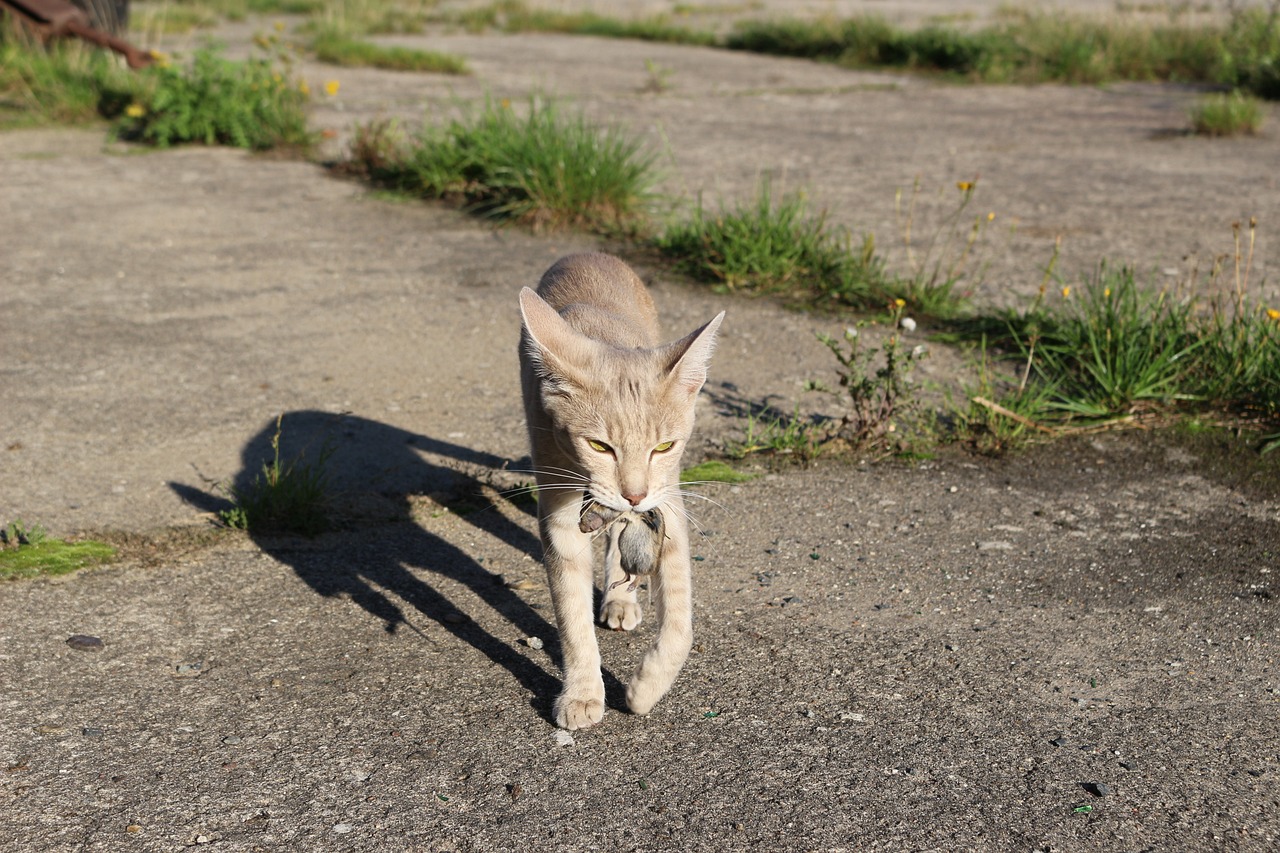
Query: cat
x,y
609,410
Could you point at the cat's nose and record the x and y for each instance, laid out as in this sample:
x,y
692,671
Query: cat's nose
x,y
634,500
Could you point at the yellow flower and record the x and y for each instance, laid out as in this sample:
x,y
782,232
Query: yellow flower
x,y
160,59
279,25
331,88
1106,294
901,303
303,87
135,110
964,186
1273,314
1066,292
506,103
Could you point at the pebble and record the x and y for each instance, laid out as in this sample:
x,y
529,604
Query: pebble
x,y
231,740
1098,789
85,643
189,670
90,731
995,545
343,828
522,585
1129,765
453,617
533,642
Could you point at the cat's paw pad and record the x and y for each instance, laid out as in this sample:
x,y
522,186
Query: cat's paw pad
x,y
621,615
578,711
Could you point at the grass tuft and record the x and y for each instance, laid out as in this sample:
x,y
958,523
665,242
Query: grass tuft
x,y
1230,114
535,166
284,497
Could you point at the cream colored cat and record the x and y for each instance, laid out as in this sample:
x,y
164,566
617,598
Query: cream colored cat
x,y
609,412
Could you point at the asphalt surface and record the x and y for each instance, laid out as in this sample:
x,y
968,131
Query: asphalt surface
x,y
1069,648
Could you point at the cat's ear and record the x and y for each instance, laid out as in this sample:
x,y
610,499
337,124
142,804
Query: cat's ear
x,y
687,358
551,345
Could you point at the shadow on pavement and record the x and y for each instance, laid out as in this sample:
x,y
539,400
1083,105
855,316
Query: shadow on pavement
x,y
375,470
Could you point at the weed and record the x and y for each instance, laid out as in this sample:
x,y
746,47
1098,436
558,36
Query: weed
x,y
285,497
1231,114
253,104
876,380
779,434
19,533
540,168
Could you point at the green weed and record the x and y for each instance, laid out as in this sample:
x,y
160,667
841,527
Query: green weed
x,y
285,496
791,436
536,166
255,104
1232,114
876,381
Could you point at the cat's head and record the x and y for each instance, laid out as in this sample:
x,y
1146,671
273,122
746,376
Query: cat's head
x,y
623,415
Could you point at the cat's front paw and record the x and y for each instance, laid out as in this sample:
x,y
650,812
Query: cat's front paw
x,y
621,615
578,710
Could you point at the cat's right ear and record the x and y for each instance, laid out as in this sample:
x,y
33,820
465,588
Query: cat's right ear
x,y
550,345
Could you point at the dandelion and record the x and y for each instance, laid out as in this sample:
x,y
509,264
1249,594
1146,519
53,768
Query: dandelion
x,y
135,110
964,186
901,303
1066,292
1273,314
908,325
331,88
991,216
304,88
160,58
1106,294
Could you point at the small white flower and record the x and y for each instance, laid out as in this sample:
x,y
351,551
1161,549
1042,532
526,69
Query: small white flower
x,y
919,351
908,324
850,333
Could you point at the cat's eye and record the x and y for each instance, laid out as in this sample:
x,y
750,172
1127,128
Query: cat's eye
x,y
599,446
664,447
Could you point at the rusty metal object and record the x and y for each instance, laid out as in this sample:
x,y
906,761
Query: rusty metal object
x,y
58,18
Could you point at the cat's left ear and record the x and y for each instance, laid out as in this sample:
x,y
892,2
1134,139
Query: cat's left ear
x,y
687,358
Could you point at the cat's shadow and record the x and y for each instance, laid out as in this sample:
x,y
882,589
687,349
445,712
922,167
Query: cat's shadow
x,y
384,560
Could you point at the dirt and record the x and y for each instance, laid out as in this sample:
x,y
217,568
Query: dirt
x,y
1068,648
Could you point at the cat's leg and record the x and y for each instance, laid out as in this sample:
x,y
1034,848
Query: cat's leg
x,y
673,584
619,609
567,554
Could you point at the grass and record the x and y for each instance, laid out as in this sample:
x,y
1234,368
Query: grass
x,y
536,166
777,246
66,84
285,496
1230,114
337,48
